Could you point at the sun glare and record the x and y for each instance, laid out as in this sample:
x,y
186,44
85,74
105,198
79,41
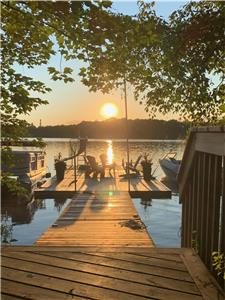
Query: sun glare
x,y
110,154
109,110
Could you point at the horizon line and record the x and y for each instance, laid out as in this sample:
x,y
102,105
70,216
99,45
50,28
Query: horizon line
x,y
108,120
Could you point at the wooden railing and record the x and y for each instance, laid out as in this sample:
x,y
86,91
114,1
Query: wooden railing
x,y
202,192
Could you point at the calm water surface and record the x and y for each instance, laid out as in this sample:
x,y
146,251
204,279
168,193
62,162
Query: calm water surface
x,y
161,217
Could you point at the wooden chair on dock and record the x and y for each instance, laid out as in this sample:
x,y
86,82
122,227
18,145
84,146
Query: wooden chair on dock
x,y
133,171
95,168
106,165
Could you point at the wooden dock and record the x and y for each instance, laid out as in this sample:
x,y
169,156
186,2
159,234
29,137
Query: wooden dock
x,y
99,219
98,248
139,188
105,273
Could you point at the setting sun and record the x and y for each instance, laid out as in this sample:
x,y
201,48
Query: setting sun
x,y
109,110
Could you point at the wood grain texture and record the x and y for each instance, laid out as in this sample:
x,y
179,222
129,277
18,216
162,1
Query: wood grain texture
x,y
98,219
128,273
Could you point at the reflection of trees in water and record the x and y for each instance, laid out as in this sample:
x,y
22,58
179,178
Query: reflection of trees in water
x,y
41,203
59,202
21,213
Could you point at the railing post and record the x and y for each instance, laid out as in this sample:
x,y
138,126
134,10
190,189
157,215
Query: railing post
x,y
222,230
202,193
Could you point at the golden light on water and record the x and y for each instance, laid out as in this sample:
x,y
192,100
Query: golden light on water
x,y
110,154
109,110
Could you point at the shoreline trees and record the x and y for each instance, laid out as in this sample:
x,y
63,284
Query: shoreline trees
x,y
115,129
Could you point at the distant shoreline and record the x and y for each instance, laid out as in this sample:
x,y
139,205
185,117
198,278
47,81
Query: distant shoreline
x,y
115,129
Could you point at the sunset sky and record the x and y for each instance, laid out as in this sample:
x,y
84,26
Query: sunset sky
x,y
73,103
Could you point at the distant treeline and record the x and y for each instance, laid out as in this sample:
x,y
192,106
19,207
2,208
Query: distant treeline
x,y
115,129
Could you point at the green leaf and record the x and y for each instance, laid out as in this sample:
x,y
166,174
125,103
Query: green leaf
x,y
51,70
222,108
67,70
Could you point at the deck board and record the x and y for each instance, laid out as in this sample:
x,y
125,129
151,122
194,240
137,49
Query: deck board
x,y
113,273
98,220
138,186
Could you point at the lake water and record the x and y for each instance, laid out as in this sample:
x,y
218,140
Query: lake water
x,y
161,217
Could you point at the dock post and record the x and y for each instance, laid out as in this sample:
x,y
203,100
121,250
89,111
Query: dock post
x,y
75,172
127,139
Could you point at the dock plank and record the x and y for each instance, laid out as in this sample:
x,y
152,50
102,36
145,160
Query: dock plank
x,y
143,260
24,291
9,297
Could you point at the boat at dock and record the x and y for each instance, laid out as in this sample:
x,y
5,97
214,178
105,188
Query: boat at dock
x,y
170,165
29,167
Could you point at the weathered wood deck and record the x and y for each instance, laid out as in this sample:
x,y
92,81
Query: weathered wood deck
x,y
99,219
105,273
138,186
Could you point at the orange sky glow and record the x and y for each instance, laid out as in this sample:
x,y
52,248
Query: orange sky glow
x,y
72,103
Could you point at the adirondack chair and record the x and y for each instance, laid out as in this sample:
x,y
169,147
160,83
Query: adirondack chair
x,y
133,171
105,165
95,168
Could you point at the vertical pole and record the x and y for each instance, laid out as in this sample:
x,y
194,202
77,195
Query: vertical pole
x,y
75,172
127,139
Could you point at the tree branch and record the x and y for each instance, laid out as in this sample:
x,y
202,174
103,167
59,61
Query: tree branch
x,y
42,22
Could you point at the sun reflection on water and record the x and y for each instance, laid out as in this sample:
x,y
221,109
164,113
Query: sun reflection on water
x,y
110,154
